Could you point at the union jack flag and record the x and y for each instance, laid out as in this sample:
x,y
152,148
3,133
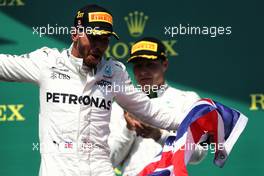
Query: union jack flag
x,y
205,118
68,145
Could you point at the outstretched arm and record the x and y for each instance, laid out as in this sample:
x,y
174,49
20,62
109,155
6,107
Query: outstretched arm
x,y
24,68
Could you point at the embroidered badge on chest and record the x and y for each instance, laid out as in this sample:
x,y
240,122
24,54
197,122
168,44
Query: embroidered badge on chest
x,y
108,72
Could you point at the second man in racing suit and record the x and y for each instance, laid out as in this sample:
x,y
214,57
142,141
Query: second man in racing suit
x,y
134,144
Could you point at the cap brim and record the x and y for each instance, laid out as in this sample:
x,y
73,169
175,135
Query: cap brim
x,y
150,57
115,35
104,32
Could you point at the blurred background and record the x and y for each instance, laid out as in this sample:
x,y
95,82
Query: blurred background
x,y
225,67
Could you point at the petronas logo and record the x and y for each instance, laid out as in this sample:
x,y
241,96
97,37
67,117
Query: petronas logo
x,y
136,22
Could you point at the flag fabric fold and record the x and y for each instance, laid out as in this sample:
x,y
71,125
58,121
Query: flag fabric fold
x,y
206,119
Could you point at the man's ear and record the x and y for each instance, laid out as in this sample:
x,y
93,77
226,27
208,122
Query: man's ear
x,y
165,65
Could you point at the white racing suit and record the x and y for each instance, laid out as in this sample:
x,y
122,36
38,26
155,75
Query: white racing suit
x,y
133,152
75,108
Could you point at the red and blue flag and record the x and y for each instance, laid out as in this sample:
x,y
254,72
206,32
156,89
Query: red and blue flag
x,y
205,119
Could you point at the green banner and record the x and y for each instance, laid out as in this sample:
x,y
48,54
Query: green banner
x,y
214,48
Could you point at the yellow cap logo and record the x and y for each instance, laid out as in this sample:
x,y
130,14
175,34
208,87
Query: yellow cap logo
x,y
80,14
100,17
144,45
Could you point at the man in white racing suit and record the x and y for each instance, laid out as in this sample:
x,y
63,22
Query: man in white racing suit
x,y
77,88
134,144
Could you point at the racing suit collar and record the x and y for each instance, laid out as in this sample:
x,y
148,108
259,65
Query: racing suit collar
x,y
161,91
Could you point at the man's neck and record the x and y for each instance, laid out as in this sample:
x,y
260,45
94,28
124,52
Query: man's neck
x,y
154,94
